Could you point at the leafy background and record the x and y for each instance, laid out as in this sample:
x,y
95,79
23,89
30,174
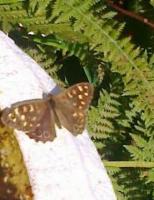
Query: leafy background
x,y
88,40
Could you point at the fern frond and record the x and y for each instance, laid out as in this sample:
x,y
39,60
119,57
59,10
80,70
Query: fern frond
x,y
47,63
124,56
101,118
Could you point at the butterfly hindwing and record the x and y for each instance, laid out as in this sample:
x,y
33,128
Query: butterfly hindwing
x,y
46,129
71,106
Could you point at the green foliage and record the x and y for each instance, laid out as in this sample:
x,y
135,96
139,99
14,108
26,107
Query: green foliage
x,y
47,62
152,2
102,117
78,41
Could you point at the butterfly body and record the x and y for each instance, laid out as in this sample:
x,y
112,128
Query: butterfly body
x,y
37,117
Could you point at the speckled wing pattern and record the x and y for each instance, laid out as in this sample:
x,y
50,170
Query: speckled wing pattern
x,y
71,106
34,117
37,117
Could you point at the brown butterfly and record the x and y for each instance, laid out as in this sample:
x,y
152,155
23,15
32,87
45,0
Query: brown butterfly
x,y
37,117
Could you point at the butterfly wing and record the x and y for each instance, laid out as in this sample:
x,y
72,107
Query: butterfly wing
x,y
31,116
71,106
45,131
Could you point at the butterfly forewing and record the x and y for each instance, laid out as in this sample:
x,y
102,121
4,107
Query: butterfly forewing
x,y
30,116
24,115
71,106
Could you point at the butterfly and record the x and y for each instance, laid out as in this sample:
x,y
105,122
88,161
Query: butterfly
x,y
37,117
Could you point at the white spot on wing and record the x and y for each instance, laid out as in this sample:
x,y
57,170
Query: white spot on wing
x,y
31,108
69,95
16,110
74,92
86,94
22,117
25,124
80,88
83,103
80,96
75,114
86,87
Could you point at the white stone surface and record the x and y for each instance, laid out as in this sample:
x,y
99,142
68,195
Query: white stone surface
x,y
68,168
